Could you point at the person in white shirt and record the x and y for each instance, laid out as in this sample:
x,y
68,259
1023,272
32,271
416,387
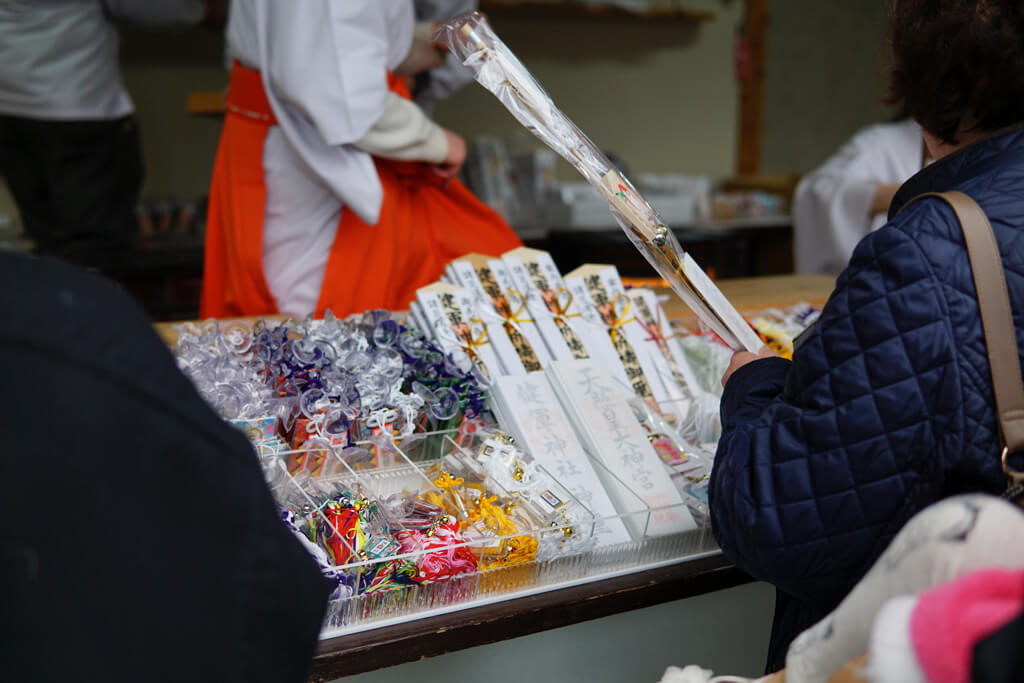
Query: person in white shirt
x,y
69,143
840,202
331,188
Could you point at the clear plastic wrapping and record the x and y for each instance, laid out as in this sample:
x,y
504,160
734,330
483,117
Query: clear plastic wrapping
x,y
333,381
470,37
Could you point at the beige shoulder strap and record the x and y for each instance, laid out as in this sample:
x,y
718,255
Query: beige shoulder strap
x,y
996,320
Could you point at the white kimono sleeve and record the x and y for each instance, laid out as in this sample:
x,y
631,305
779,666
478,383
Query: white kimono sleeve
x,y
831,206
405,133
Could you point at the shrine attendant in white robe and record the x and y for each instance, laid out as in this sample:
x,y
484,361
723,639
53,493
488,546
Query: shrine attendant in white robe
x,y
331,188
840,202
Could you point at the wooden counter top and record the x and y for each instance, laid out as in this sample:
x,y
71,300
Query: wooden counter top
x,y
749,295
752,294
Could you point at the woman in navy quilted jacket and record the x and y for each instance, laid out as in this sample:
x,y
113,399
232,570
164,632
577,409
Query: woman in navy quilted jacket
x,y
887,405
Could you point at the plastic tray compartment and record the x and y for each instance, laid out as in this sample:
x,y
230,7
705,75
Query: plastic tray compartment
x,y
562,554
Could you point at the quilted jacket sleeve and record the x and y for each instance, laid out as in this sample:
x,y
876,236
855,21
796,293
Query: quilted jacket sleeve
x,y
822,460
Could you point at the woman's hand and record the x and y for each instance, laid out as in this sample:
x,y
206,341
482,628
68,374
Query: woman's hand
x,y
449,168
741,358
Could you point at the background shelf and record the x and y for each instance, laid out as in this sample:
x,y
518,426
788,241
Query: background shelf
x,y
496,8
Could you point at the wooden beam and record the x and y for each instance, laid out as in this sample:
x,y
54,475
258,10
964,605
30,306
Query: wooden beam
x,y
751,74
206,103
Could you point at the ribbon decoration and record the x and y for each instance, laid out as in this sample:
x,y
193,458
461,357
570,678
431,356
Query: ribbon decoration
x,y
448,484
448,554
560,311
493,517
511,324
382,422
409,405
522,306
459,333
511,318
343,535
652,327
655,335
446,481
481,507
469,345
504,309
510,321
381,418
653,330
615,321
515,550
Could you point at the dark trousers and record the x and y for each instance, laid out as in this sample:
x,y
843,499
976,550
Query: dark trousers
x,y
76,184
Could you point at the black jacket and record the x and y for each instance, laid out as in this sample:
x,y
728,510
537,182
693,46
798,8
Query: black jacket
x,y
138,540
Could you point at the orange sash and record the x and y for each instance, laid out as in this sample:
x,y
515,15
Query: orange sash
x,y
423,224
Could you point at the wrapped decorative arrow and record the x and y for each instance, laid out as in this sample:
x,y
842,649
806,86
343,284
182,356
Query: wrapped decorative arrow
x,y
471,38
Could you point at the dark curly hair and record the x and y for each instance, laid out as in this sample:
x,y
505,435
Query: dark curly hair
x,y
958,61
